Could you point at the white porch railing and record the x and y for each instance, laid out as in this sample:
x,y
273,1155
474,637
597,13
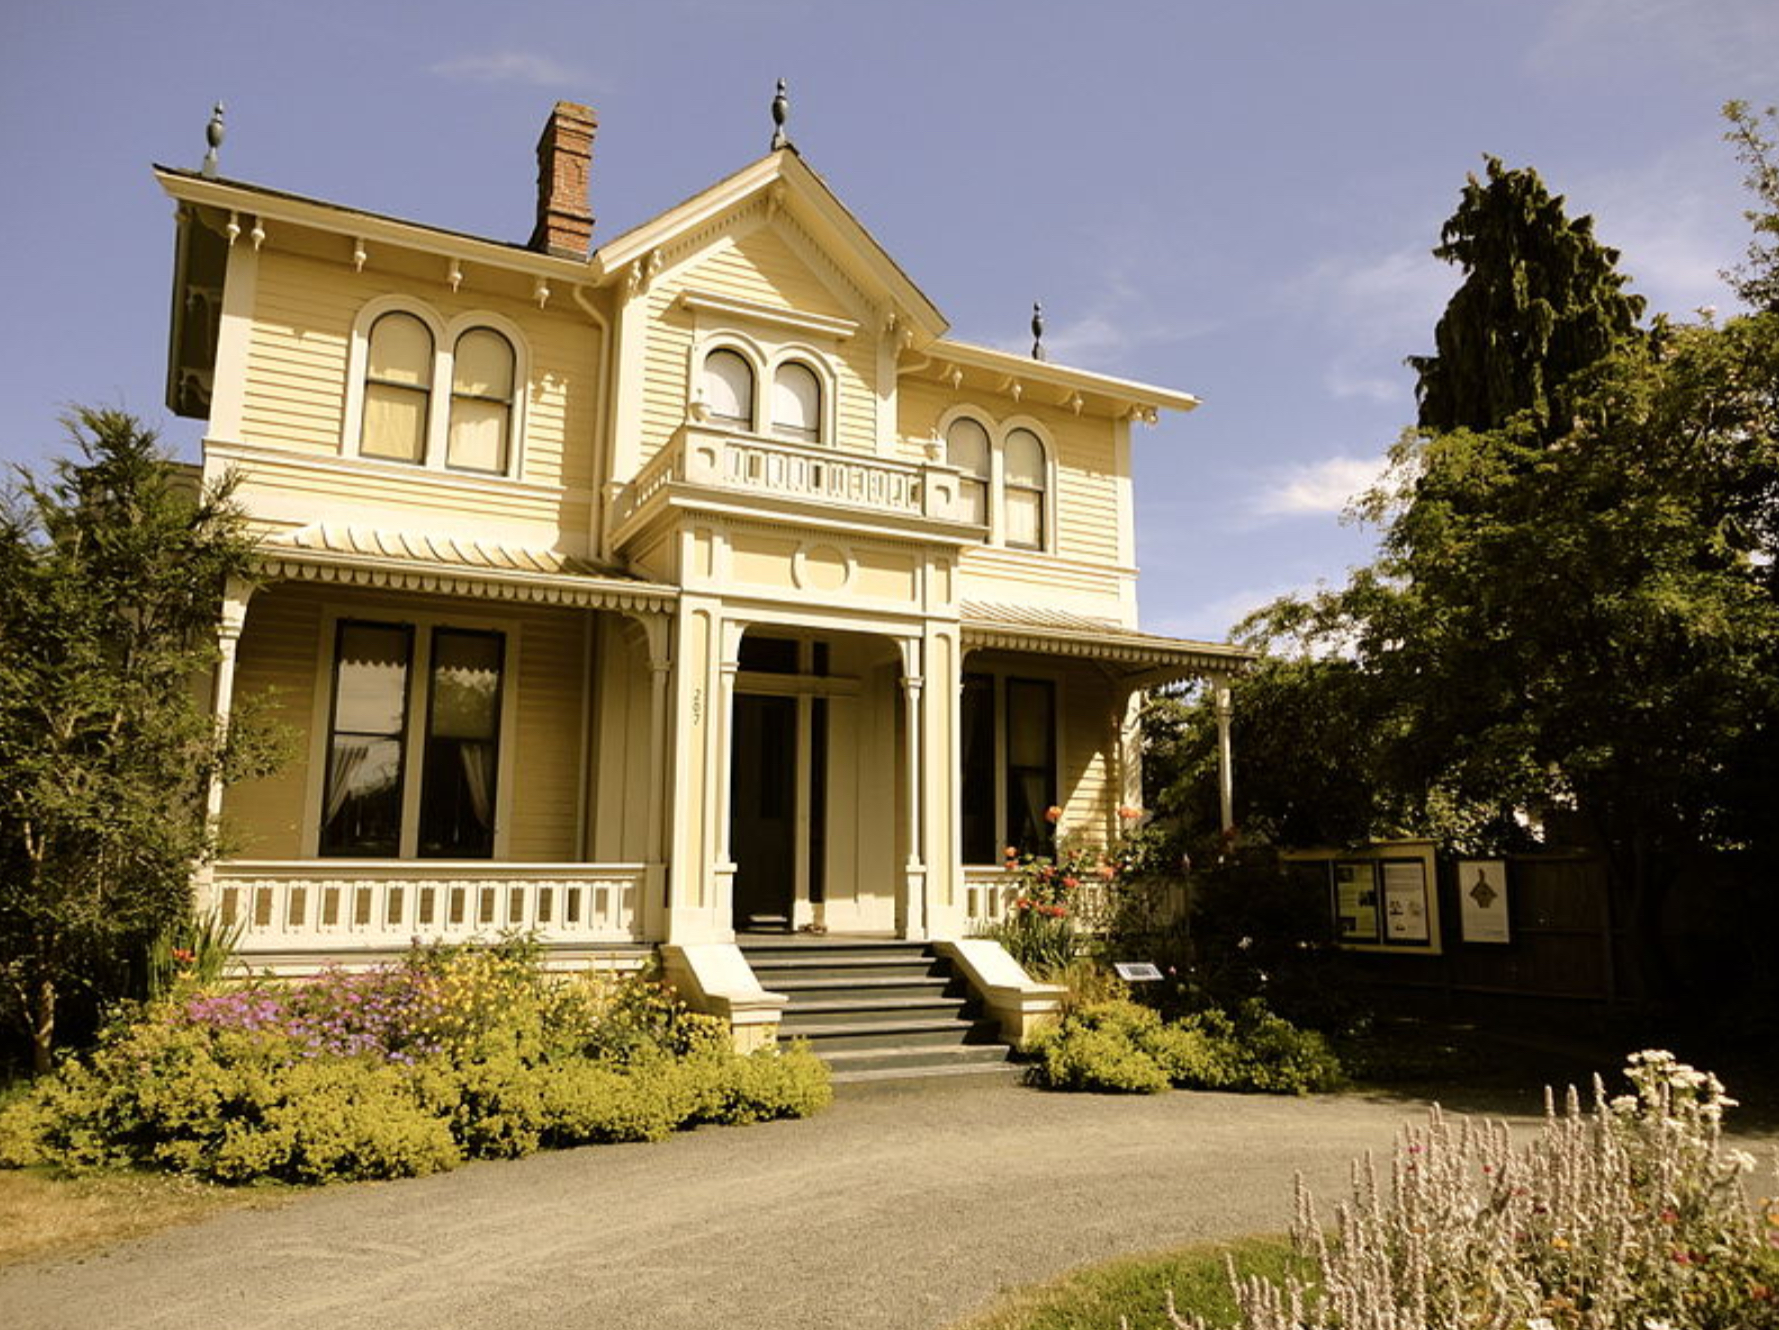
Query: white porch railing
x,y
989,894
288,905
700,455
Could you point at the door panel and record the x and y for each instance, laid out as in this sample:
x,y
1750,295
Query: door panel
x,y
763,810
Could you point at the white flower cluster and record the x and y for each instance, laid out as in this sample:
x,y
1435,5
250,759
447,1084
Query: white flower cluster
x,y
1629,1215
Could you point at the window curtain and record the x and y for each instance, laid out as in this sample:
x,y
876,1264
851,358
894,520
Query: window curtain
x,y
477,758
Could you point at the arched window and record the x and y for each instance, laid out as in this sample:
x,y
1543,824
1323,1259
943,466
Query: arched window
x,y
397,389
481,401
966,448
729,388
1023,478
797,402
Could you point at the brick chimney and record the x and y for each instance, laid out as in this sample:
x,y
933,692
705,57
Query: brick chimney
x,y
564,160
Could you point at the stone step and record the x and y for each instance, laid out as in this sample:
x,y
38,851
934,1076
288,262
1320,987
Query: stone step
x,y
876,1008
804,991
769,971
831,1036
870,1010
913,1063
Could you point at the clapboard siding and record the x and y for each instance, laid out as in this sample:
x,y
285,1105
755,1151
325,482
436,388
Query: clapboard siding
x,y
299,355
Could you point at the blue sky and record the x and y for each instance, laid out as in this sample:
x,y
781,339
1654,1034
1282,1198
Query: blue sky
x,y
1233,199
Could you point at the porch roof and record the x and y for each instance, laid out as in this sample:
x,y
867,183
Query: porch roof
x,y
1141,659
454,565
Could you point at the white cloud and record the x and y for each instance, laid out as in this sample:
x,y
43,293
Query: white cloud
x,y
1676,221
1379,307
1728,45
507,67
1317,489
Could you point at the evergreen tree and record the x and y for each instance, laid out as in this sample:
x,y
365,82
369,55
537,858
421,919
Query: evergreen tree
x,y
1540,300
111,576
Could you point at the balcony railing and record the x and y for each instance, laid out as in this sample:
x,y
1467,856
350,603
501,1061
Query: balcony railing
x,y
375,904
794,472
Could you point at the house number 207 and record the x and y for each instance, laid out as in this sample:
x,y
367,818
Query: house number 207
x,y
697,706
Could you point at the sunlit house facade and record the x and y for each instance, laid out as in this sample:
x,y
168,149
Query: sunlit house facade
x,y
655,592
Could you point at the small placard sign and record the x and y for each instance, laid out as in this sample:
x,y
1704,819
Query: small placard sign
x,y
1136,972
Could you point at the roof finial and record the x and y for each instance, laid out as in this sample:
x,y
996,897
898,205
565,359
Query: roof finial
x,y
781,110
1037,331
213,136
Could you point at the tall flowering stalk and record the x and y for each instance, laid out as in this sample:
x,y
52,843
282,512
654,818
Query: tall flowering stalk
x,y
1627,1217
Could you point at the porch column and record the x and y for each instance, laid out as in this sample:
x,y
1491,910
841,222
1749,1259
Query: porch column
x,y
911,911
696,740
1225,753
942,705
722,768
655,847
222,702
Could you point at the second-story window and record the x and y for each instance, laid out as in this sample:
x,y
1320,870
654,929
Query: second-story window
x,y
1023,478
729,389
397,389
797,402
481,401
967,448
439,395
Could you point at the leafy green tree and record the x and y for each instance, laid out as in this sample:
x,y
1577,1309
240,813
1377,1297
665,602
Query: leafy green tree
x,y
111,574
1574,618
1540,299
1756,280
1596,617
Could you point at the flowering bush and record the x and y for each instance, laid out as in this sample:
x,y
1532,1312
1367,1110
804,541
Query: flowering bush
x,y
1631,1217
403,1069
1058,895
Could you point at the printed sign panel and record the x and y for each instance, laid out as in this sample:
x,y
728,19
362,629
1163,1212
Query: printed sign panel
x,y
1405,901
1482,900
1355,902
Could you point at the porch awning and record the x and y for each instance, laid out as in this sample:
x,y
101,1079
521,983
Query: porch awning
x,y
1142,660
453,565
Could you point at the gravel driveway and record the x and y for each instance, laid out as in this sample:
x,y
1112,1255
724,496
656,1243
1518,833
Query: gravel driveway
x,y
906,1205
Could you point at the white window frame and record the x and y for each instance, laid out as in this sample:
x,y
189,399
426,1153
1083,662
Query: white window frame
x,y
998,430
445,333
1000,673
422,625
764,358
824,386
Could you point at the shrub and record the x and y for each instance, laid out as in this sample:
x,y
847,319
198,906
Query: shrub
x,y
1124,1047
1629,1216
395,1071
765,1084
230,1106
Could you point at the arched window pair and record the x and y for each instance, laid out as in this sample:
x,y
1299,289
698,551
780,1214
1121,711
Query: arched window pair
x,y
400,366
1024,480
796,406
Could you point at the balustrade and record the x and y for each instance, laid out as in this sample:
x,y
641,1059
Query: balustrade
x,y
285,906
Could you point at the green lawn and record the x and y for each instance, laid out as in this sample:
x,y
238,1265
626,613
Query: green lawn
x,y
1136,1288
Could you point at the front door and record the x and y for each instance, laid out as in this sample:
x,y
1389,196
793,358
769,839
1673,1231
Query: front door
x,y
763,811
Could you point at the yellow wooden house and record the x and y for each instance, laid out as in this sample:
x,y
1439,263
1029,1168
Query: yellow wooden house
x,y
674,590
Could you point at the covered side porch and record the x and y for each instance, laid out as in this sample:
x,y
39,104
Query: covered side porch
x,y
443,701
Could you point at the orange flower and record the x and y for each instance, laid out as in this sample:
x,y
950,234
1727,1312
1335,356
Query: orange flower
x,y
1053,814
1129,814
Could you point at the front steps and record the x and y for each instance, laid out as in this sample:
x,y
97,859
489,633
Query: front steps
x,y
876,1010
